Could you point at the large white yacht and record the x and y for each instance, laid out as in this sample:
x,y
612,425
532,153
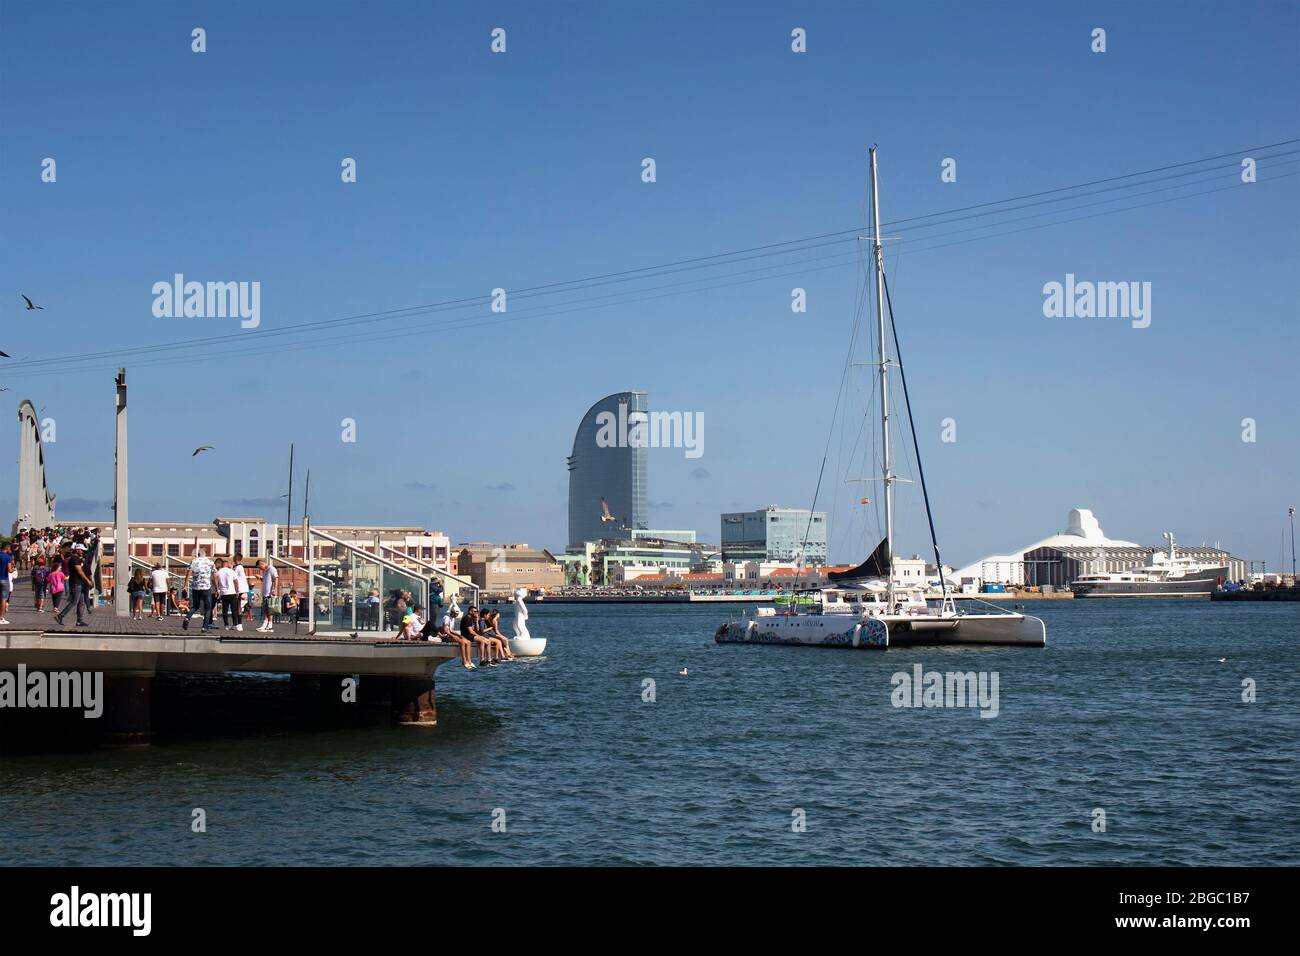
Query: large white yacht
x,y
1169,574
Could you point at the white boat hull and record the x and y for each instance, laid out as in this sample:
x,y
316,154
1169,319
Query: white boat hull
x,y
807,630
882,631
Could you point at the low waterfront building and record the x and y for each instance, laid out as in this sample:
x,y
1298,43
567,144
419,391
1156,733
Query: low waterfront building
x,y
247,539
500,568
1082,548
612,560
774,534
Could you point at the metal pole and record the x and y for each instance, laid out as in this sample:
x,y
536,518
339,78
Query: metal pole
x,y
1291,514
879,256
121,524
288,508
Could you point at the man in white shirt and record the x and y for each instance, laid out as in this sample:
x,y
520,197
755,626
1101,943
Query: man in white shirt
x,y
158,582
269,578
226,588
201,599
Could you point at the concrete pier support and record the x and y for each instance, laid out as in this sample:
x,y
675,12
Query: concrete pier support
x,y
304,687
413,701
376,690
128,706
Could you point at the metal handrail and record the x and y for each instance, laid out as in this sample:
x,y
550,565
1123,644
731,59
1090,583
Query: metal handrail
x,y
432,567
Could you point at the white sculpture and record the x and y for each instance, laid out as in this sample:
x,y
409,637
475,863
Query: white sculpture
x,y
524,644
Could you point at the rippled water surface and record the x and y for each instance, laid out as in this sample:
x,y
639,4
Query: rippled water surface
x,y
1128,709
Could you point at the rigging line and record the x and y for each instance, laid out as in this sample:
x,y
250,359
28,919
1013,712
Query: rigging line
x,y
626,275
920,470
1086,205
1096,192
65,363
390,315
1104,212
254,347
68,366
830,432
555,287
1098,182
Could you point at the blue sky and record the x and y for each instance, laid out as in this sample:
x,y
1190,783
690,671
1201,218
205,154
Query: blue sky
x,y
478,171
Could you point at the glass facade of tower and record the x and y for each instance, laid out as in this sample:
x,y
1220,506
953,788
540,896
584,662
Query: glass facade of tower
x,y
774,534
606,465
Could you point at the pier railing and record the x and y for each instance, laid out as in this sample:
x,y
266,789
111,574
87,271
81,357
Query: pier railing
x,y
363,587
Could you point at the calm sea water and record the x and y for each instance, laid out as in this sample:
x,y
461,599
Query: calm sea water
x,y
1128,709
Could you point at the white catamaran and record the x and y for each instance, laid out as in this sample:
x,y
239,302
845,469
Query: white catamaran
x,y
865,607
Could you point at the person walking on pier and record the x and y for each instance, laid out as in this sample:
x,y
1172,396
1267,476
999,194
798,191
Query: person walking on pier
x,y
78,585
201,570
158,581
269,576
244,595
57,581
40,582
6,580
228,589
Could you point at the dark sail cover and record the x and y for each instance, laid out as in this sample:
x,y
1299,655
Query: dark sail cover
x,y
876,566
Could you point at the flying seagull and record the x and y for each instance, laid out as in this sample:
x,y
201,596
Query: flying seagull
x,y
604,511
30,306
202,448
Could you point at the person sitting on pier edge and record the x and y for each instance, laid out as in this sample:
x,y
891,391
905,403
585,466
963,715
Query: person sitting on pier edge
x,y
181,604
469,629
444,632
201,569
490,628
289,605
411,626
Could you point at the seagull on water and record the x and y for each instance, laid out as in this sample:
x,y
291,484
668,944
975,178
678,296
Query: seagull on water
x,y
30,305
1223,660
202,448
682,672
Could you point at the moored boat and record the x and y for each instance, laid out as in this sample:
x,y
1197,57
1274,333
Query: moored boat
x,y
866,607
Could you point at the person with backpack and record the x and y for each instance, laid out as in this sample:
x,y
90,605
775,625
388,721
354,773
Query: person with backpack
x,y
40,582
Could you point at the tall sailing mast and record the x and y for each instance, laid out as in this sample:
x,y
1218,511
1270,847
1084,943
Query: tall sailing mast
x,y
878,255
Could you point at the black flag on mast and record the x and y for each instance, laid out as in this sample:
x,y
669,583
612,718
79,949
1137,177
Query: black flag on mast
x,y
876,566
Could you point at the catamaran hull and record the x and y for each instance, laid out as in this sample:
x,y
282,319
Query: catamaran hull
x,y
1010,630
807,631
878,633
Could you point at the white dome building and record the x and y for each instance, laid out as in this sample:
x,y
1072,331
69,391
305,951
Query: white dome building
x,y
1082,534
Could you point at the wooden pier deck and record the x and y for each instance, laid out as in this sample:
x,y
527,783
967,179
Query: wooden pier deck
x,y
129,653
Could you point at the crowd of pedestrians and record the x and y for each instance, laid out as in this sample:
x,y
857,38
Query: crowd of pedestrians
x,y
63,567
